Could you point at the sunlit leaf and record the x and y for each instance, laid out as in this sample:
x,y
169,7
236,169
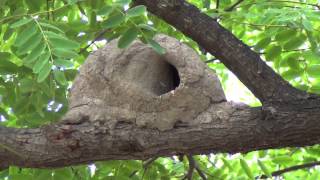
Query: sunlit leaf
x,y
290,74
246,168
294,43
285,35
314,71
307,25
262,43
264,168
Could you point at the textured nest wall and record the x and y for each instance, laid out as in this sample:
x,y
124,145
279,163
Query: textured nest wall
x,y
137,85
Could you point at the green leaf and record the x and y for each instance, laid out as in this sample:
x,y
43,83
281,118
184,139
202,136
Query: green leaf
x,y
294,42
312,57
64,43
6,65
282,160
31,44
307,25
36,52
27,85
113,21
63,63
314,71
25,35
290,74
264,169
293,63
136,11
50,26
44,73
206,4
121,2
246,168
60,77
273,52
70,74
147,27
41,62
105,11
64,53
156,46
21,22
262,43
285,35
128,37
225,162
51,34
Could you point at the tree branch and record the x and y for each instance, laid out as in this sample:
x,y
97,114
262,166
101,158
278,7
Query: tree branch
x,y
99,36
224,128
247,65
234,5
292,168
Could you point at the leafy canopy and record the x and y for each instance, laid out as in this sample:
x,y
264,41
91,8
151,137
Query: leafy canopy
x,y
43,43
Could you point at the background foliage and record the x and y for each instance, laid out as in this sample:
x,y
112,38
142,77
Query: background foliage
x,y
43,43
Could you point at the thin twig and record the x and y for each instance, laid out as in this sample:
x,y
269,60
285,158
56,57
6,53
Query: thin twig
x,y
199,171
100,34
191,168
293,2
217,4
233,6
145,165
292,168
211,60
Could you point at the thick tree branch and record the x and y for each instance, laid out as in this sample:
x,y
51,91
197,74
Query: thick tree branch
x,y
227,128
247,65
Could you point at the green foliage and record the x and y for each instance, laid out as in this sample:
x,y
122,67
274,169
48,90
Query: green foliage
x,y
43,43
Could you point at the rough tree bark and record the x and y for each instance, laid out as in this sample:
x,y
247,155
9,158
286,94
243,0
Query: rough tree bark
x,y
288,117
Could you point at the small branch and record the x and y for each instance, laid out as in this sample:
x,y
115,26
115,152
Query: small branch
x,y
233,6
100,35
147,163
293,2
211,60
292,168
217,4
191,168
199,171
194,166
